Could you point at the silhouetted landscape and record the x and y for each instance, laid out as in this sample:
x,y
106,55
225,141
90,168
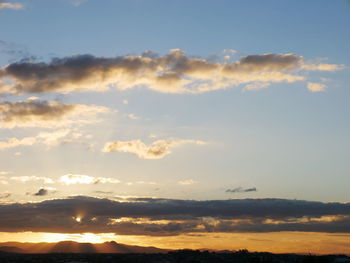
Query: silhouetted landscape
x,y
67,247
73,252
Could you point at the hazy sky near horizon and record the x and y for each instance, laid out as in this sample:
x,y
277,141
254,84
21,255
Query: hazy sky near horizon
x,y
190,100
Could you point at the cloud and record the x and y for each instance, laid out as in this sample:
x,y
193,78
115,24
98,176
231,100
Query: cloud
x,y
174,72
5,172
187,182
25,179
15,6
156,150
316,87
41,192
104,192
146,216
141,182
132,116
241,190
3,180
16,52
5,195
77,3
69,179
46,138
48,114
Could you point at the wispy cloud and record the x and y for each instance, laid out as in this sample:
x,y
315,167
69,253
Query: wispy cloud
x,y
8,5
5,195
172,73
132,116
316,87
46,138
187,182
69,179
25,179
77,2
156,150
241,190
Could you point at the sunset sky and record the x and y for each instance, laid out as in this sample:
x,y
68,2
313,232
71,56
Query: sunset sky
x,y
177,124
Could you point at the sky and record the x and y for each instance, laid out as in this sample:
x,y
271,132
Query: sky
x,y
203,123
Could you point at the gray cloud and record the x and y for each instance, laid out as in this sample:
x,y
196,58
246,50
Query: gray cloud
x,y
172,73
16,52
34,113
41,192
145,216
241,190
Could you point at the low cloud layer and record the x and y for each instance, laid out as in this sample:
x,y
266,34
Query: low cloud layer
x,y
241,190
49,114
145,216
172,73
156,150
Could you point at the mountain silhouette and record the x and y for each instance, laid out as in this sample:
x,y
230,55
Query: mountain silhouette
x,y
9,249
75,247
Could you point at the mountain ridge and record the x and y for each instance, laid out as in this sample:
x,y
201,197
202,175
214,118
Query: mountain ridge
x,y
76,247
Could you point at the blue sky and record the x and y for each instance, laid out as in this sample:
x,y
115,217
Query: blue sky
x,y
287,139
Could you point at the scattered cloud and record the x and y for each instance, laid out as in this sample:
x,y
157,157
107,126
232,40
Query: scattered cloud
x,y
156,150
41,192
147,216
3,180
174,72
46,138
187,182
257,85
77,2
25,179
8,5
5,172
241,190
48,114
69,179
5,195
132,116
126,102
316,87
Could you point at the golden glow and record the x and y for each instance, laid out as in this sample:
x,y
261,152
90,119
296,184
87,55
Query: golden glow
x,y
82,238
279,242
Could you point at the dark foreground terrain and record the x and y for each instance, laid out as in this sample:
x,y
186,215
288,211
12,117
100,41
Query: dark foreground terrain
x,y
183,256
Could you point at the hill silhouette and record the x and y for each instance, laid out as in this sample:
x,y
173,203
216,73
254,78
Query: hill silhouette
x,y
75,247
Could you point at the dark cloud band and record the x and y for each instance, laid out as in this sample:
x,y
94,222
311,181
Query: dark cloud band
x,y
174,72
144,216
